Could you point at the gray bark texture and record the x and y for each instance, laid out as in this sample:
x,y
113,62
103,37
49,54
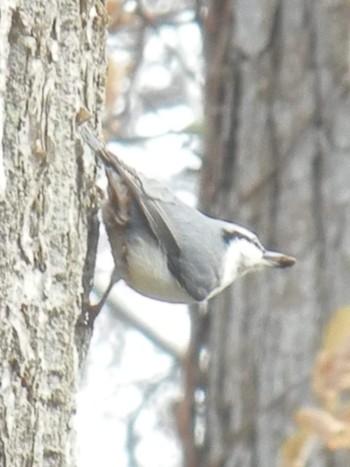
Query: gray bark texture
x,y
48,56
278,162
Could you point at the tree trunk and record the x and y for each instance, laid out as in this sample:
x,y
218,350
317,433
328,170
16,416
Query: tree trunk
x,y
48,222
278,139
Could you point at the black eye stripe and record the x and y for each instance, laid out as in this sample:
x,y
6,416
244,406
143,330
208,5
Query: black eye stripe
x,y
228,236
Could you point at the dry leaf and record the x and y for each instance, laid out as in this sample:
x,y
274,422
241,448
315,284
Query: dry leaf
x,y
322,423
296,449
332,369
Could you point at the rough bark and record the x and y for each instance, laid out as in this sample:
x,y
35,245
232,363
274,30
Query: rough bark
x,y
278,139
47,70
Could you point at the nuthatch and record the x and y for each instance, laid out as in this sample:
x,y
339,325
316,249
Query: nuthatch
x,y
165,249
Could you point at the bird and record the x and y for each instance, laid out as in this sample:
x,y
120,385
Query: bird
x,y
166,249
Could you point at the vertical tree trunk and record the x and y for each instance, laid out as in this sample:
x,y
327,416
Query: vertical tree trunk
x,y
47,70
278,139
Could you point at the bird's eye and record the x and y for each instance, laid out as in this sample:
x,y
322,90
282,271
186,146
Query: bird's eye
x,y
228,236
231,235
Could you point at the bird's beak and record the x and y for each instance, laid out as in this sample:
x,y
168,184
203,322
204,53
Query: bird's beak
x,y
278,260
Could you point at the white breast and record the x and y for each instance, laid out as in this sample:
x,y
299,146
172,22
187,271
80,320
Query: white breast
x,y
147,272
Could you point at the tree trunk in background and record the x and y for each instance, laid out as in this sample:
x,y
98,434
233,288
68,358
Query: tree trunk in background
x,y
48,51
278,141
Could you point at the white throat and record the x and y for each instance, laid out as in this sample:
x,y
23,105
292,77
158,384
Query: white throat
x,y
241,256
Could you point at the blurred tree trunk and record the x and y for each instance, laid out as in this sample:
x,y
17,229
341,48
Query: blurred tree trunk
x,y
47,221
278,140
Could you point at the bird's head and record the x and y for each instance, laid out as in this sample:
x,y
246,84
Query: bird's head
x,y
245,253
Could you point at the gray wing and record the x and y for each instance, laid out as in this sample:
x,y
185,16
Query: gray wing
x,y
148,195
198,267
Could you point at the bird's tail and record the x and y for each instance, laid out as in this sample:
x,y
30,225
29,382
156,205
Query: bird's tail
x,y
98,146
111,161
